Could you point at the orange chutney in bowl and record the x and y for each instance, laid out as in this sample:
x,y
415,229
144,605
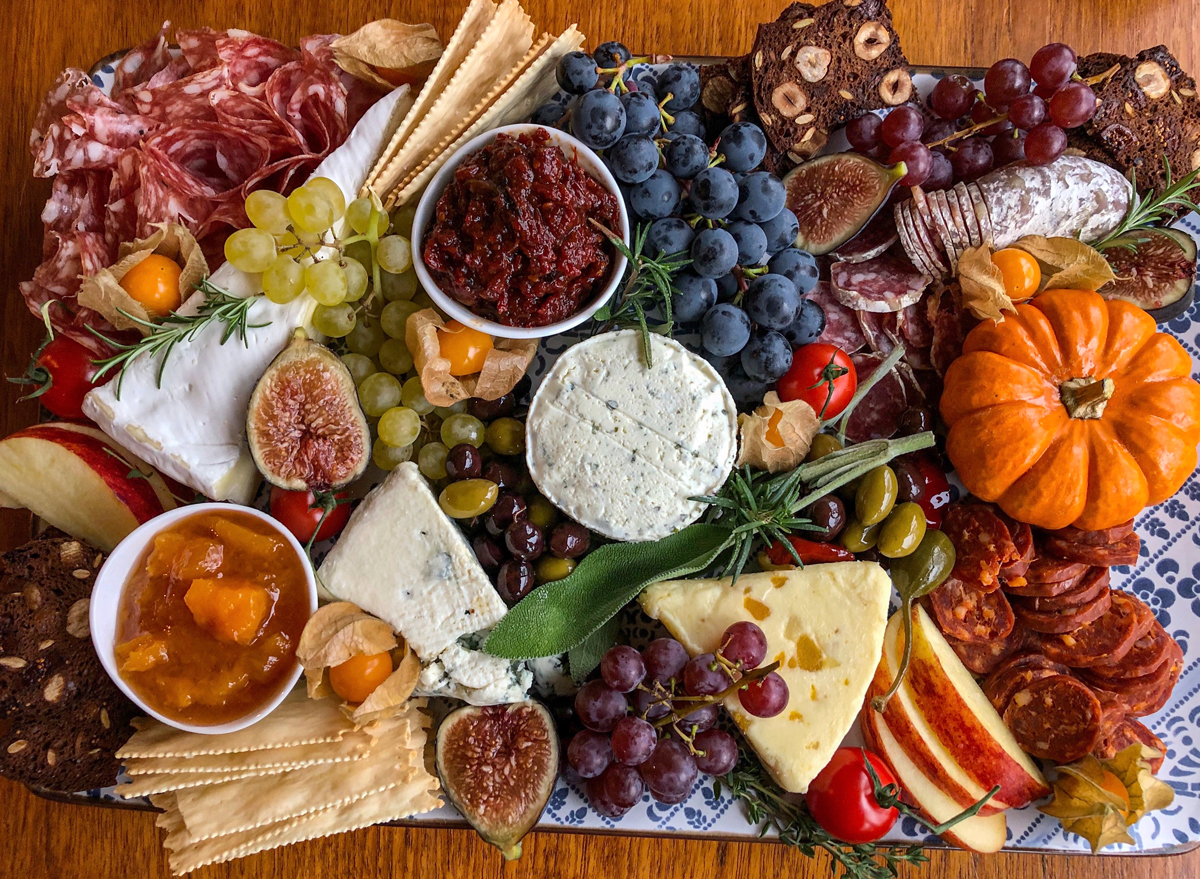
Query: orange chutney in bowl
x,y
209,620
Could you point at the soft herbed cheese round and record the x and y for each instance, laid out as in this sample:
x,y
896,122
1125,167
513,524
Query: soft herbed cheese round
x,y
621,447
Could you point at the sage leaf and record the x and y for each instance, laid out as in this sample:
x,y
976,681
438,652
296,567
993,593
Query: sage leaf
x,y
584,658
559,616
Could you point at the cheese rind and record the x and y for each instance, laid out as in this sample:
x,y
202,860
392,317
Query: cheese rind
x,y
825,625
403,560
620,447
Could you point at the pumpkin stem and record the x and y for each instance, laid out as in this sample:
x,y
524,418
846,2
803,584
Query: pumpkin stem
x,y
1086,397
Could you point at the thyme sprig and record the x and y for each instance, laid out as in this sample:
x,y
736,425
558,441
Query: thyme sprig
x,y
1148,211
648,283
219,306
768,806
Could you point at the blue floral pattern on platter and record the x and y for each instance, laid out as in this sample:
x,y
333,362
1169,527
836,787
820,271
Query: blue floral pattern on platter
x,y
1167,577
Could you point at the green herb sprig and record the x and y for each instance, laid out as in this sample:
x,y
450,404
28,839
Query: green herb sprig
x,y
648,283
1147,212
219,306
768,806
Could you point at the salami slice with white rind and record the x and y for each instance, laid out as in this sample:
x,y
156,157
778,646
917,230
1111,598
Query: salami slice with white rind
x,y
908,240
877,415
918,214
875,239
970,221
842,328
885,283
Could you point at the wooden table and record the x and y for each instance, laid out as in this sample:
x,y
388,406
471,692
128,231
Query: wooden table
x,y
43,839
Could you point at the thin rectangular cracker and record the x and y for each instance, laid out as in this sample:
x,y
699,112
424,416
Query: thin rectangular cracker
x,y
412,798
503,43
513,99
225,808
471,26
297,721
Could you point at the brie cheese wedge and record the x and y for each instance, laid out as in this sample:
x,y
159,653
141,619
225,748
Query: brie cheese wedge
x,y
193,427
824,624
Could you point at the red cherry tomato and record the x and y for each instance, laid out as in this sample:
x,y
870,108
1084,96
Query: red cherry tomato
x,y
64,371
810,552
842,797
823,376
300,513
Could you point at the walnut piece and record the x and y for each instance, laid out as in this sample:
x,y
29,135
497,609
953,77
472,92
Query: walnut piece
x,y
813,62
789,99
896,87
871,41
1152,79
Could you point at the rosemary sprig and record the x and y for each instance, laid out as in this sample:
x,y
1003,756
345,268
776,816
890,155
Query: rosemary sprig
x,y
219,306
648,283
768,806
1146,212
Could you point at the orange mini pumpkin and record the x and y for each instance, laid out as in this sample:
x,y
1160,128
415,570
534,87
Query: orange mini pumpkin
x,y
1073,411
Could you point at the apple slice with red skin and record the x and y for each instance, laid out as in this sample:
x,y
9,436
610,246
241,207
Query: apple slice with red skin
x,y
979,833
77,479
962,718
913,734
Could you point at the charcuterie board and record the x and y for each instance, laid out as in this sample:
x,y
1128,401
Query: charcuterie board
x,y
1080,571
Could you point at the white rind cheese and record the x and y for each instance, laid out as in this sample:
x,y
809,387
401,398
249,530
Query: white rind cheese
x,y
825,625
620,447
193,428
403,560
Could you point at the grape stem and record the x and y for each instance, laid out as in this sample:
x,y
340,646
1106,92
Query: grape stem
x,y
714,698
1099,77
967,132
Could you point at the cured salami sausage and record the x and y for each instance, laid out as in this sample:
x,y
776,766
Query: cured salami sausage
x,y
1055,718
1095,538
880,284
1122,552
1130,732
1058,622
841,323
1144,694
874,240
1148,654
882,331
981,541
1101,641
969,613
1002,685
1012,575
984,657
1051,570
878,415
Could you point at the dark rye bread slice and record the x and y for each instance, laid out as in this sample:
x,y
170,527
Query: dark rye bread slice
x,y
1148,109
818,67
61,718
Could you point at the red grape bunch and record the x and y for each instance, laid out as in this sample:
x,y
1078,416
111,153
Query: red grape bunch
x,y
649,718
1021,113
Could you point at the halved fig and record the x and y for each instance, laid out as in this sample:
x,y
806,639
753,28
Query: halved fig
x,y
498,765
1155,269
305,427
834,196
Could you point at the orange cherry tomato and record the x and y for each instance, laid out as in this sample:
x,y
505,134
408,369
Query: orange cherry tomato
x,y
154,282
1021,272
356,678
464,347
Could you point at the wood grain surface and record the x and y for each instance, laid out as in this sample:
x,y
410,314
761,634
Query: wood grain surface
x,y
40,37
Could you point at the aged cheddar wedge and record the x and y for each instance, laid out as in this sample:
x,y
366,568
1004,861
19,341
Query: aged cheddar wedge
x,y
824,623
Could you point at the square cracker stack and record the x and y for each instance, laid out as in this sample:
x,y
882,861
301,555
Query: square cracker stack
x,y
464,96
303,772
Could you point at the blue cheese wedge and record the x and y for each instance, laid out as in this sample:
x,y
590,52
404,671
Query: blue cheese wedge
x,y
403,560
621,447
824,624
460,672
193,427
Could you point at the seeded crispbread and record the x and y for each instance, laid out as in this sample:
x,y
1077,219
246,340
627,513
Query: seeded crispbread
x,y
818,67
61,717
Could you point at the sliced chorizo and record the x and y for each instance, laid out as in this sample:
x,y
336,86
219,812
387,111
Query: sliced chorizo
x,y
982,543
984,657
1090,587
1095,538
1148,653
1058,622
1046,569
1103,640
1122,552
1002,685
1130,731
970,613
1055,718
1148,693
1039,589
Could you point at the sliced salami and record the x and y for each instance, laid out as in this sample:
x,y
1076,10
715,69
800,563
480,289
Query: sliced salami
x,y
141,64
1101,641
1148,654
1055,718
842,328
1088,589
1058,622
958,224
915,326
981,214
874,239
923,238
982,543
881,284
970,221
968,613
908,240
251,59
984,657
922,216
1001,686
951,323
1122,552
1145,694
942,225
877,415
1130,732
882,331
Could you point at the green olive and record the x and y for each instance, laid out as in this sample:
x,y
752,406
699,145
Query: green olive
x,y
550,568
903,530
506,436
542,513
822,445
925,569
876,495
858,537
468,498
